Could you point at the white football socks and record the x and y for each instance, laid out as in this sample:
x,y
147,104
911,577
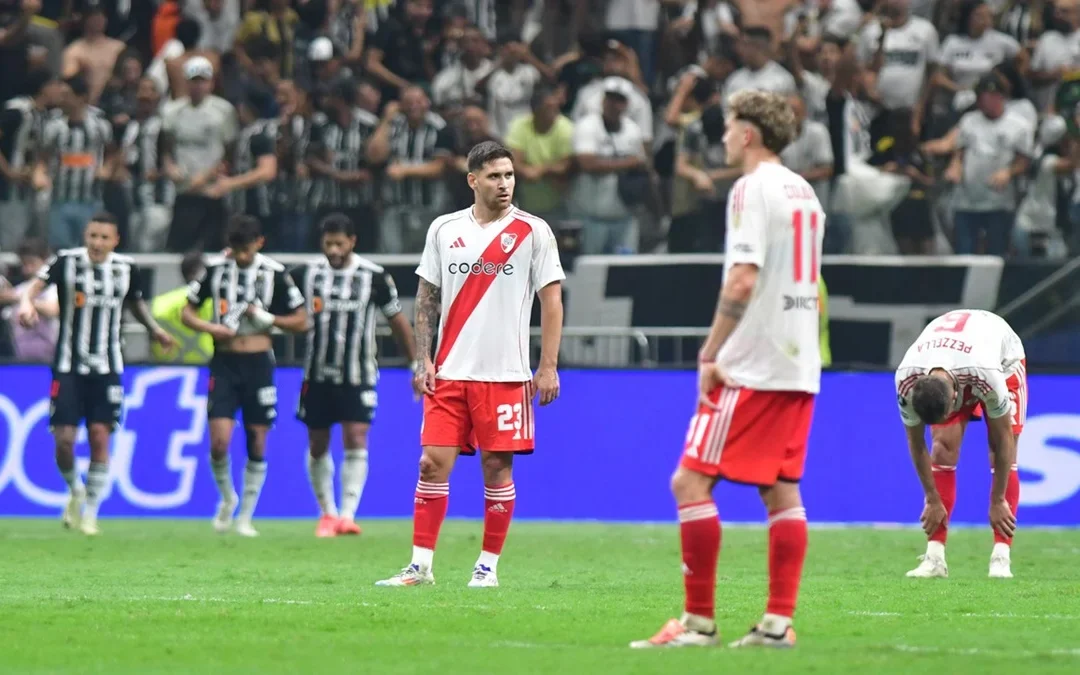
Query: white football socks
x,y
223,477
321,472
354,472
97,478
71,477
254,477
422,557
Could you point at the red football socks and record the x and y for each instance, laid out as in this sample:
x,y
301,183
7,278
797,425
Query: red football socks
x,y
429,512
498,512
787,551
699,527
945,481
1012,497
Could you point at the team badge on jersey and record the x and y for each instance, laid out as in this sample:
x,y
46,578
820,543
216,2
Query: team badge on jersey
x,y
507,241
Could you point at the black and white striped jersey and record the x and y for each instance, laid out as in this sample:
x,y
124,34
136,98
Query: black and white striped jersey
x,y
21,127
343,148
256,140
341,303
232,289
77,153
92,298
140,145
428,140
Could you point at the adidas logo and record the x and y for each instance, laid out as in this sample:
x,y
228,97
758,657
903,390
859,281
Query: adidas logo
x,y
458,243
497,507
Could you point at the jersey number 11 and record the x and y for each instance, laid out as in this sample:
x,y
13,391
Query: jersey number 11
x,y
800,233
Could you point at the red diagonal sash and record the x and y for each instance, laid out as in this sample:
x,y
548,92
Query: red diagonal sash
x,y
477,285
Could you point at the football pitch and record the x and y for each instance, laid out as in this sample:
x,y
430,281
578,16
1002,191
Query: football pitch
x,y
162,596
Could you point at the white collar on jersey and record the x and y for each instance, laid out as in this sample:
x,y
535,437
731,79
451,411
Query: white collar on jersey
x,y
506,217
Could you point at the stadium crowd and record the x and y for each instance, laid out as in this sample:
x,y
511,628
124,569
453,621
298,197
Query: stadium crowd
x,y
927,126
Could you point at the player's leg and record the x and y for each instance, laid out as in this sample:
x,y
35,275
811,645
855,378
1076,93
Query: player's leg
x,y
1001,555
699,525
313,410
944,455
354,473
65,413
356,411
103,405
502,419
321,474
222,402
444,431
259,405
254,476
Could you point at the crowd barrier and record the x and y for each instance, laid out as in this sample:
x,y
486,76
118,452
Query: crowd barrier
x,y
605,451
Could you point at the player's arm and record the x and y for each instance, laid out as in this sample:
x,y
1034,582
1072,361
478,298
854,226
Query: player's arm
x,y
51,273
426,321
734,298
385,295
139,309
198,293
265,170
999,433
920,457
548,275
287,311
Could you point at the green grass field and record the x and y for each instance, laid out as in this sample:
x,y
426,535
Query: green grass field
x,y
173,597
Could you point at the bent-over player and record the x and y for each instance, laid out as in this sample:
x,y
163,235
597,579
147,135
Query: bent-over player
x,y
93,286
478,273
342,290
759,371
964,360
250,294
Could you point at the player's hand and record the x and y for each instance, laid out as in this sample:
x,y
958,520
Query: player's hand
x,y
28,314
1002,519
711,376
418,379
219,332
163,339
933,516
546,381
999,179
953,174
424,378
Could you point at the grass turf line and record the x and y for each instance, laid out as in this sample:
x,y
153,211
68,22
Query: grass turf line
x,y
159,596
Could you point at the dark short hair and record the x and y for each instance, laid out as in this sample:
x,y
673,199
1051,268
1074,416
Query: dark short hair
x,y
105,217
930,399
37,80
191,264
540,94
485,152
337,223
243,230
188,32
33,247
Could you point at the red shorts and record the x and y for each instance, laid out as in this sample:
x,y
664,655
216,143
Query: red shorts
x,y
492,416
1018,395
754,437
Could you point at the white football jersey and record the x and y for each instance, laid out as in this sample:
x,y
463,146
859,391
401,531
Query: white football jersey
x,y
488,276
776,222
980,350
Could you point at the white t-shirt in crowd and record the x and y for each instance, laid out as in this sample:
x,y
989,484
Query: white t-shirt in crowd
x,y
771,77
989,145
908,51
967,60
457,83
633,15
980,350
590,101
810,150
488,276
509,95
776,222
596,195
1053,50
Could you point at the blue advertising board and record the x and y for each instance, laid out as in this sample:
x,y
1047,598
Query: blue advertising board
x,y
605,451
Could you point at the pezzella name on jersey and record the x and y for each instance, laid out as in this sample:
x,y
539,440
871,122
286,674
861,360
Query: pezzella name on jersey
x,y
481,267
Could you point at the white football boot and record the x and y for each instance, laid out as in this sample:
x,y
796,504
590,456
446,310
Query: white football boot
x,y
932,566
224,517
757,637
413,575
73,511
483,577
675,633
89,526
1000,562
245,529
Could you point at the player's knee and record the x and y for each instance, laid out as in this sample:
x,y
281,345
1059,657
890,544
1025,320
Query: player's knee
x,y
99,442
943,452
497,468
256,444
219,446
318,443
354,436
781,496
432,468
65,441
690,486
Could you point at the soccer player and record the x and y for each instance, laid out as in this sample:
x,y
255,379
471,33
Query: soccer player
x,y
964,361
342,291
251,294
760,368
93,286
478,273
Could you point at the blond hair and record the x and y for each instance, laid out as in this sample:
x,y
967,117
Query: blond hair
x,y
770,113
